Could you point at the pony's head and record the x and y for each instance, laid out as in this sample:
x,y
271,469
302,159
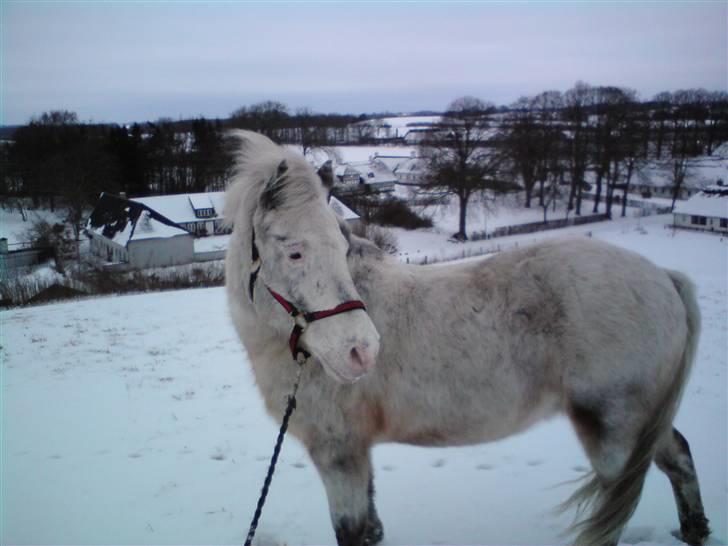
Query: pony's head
x,y
279,204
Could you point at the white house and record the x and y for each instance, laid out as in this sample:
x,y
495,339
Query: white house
x,y
707,210
364,177
126,234
407,169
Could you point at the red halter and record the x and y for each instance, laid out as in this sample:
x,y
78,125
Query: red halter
x,y
301,319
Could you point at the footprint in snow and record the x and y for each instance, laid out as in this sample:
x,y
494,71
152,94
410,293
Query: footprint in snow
x,y
484,466
439,463
388,467
534,462
299,465
579,468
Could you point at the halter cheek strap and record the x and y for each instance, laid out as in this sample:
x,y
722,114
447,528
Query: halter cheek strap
x,y
300,318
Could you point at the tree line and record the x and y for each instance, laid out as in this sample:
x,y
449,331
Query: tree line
x,y
558,144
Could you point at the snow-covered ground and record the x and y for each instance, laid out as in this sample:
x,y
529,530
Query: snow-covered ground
x,y
15,229
135,420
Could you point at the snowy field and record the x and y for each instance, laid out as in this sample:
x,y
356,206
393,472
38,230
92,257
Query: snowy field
x,y
135,420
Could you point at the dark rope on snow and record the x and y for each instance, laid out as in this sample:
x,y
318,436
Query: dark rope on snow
x,y
276,451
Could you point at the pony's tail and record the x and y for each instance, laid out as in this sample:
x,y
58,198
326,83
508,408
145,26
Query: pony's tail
x,y
614,503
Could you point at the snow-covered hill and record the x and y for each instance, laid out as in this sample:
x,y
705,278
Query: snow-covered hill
x,y
135,420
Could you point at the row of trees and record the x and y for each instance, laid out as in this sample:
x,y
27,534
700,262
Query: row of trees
x,y
553,143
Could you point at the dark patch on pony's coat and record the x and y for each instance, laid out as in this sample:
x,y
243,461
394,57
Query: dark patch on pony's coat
x,y
350,531
588,421
694,526
272,196
374,530
326,174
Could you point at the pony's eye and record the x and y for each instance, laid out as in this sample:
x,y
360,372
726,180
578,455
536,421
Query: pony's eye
x,y
295,256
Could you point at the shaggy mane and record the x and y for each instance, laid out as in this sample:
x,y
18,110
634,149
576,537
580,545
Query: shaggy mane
x,y
256,162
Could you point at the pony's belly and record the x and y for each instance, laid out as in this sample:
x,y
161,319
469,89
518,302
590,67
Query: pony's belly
x,y
470,430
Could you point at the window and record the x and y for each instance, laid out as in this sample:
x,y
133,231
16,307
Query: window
x,y
724,223
698,220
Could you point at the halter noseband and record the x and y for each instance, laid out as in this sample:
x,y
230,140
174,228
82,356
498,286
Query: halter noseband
x,y
300,318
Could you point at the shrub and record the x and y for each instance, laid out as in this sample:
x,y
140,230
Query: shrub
x,y
394,212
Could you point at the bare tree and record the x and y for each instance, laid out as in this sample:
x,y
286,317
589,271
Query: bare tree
x,y
575,116
461,155
521,134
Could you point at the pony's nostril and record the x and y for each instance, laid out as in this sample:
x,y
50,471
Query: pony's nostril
x,y
356,358
361,358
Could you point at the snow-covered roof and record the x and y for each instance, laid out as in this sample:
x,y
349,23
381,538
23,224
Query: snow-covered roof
x,y
371,172
341,210
201,201
179,208
711,202
122,220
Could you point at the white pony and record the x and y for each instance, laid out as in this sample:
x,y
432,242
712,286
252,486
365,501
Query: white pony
x,y
459,354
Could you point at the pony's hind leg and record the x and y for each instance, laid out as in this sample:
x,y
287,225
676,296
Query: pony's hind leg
x,y
346,474
674,459
620,456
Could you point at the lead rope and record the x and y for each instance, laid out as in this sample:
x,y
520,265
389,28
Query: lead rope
x,y
276,451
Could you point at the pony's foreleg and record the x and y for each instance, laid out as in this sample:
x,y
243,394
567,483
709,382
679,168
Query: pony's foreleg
x,y
346,474
375,531
674,459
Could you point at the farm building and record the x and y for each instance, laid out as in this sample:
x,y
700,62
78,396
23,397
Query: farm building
x,y
165,230
363,177
408,169
128,234
707,210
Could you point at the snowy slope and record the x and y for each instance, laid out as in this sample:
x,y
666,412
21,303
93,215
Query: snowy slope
x,y
134,420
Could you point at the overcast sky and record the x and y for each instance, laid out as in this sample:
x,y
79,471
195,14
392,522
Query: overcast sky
x,y
126,61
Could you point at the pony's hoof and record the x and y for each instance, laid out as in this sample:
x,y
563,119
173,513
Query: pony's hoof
x,y
374,532
696,531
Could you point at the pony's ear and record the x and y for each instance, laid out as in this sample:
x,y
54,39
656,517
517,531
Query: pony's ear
x,y
272,196
326,174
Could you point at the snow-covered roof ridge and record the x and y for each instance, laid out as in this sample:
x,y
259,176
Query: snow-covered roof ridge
x,y
341,210
711,202
180,208
201,201
123,220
